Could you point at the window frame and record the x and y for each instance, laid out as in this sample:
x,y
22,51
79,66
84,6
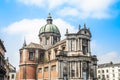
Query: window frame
x,y
31,57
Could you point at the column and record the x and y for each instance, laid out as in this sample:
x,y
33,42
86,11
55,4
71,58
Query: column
x,y
67,45
81,71
75,45
78,69
58,69
81,46
51,39
49,71
89,77
78,44
43,71
70,69
61,69
89,48
44,41
88,72
95,72
36,55
75,69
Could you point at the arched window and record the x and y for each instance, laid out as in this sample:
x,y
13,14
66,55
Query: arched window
x,y
55,40
47,40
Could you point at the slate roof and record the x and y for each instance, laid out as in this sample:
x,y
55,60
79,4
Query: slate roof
x,y
108,65
34,45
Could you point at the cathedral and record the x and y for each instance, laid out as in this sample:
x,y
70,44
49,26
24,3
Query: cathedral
x,y
56,59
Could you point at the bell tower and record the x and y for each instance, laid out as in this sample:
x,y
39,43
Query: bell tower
x,y
79,42
28,61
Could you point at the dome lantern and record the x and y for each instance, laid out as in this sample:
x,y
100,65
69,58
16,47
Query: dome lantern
x,y
49,27
49,19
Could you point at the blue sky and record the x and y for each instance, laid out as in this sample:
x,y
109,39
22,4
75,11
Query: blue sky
x,y
24,18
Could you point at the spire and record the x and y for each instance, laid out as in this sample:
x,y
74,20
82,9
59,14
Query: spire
x,y
49,15
79,26
49,19
24,44
84,25
66,31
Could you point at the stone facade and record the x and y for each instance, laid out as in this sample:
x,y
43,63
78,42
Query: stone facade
x,y
55,59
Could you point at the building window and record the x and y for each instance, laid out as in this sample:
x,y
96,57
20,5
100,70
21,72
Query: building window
x,y
72,73
55,40
113,70
41,39
107,71
47,41
107,76
46,69
113,75
119,74
41,56
31,55
103,77
53,67
102,71
40,70
12,76
98,71
85,46
55,51
118,70
98,76
63,48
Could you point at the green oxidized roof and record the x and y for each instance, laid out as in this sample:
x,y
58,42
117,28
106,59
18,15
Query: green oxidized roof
x,y
49,27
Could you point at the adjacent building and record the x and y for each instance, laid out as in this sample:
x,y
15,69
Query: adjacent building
x,y
56,59
2,60
108,71
12,72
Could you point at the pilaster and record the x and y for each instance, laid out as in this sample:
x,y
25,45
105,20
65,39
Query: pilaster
x,y
81,69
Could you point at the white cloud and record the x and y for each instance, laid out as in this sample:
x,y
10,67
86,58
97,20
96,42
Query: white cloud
x,y
93,8
81,8
55,3
25,28
68,11
38,3
30,28
110,56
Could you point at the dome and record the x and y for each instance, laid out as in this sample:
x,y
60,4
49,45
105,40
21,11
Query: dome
x,y
49,27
